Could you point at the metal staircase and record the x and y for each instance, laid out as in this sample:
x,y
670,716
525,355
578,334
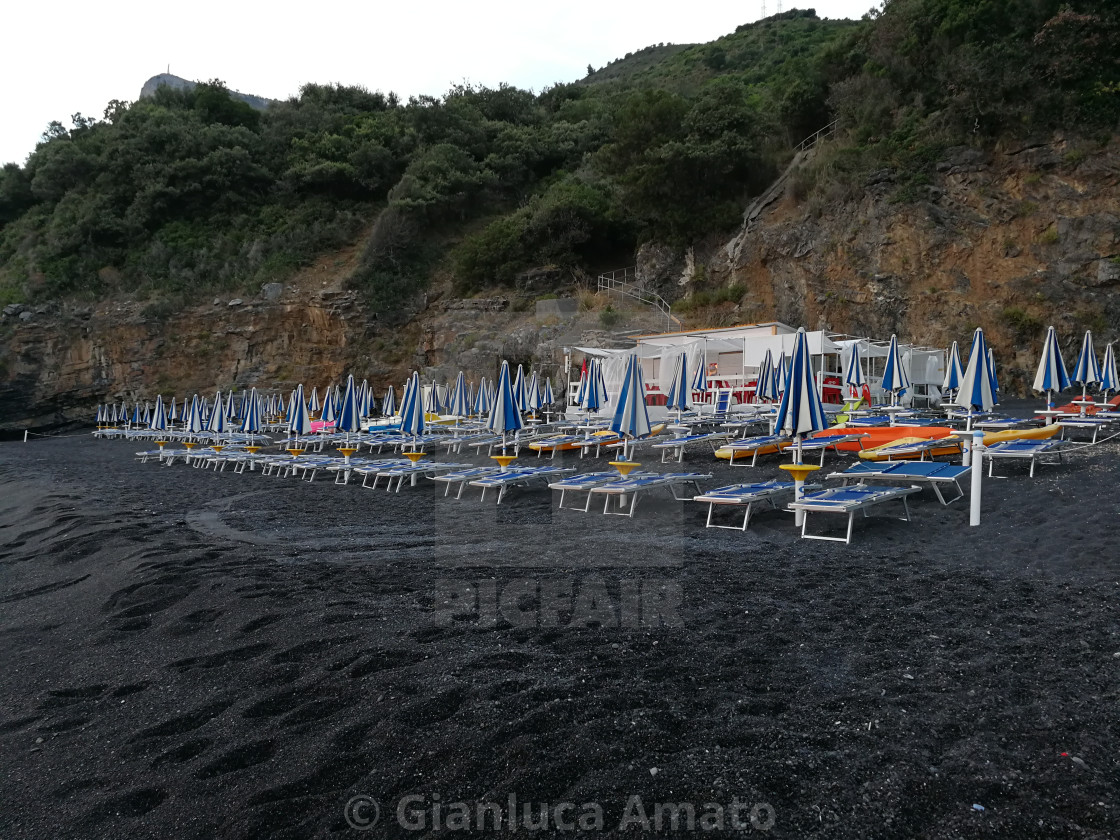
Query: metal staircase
x,y
621,282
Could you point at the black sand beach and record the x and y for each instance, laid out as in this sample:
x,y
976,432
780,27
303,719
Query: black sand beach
x,y
191,654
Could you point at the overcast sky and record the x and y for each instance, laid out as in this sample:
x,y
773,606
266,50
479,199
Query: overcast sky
x,y
65,56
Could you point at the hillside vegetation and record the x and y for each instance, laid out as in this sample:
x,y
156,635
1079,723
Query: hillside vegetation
x,y
191,191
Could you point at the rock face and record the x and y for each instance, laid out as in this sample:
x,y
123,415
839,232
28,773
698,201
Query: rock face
x,y
1011,240
178,83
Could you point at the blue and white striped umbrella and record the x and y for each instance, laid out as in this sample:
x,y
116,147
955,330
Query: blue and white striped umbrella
x,y
314,405
584,379
348,419
389,404
482,398
460,403
299,423
781,372
631,417
251,414
158,422
976,391
111,414
173,412
954,371
519,390
1051,374
412,408
549,398
1087,371
137,416
231,407
992,373
601,380
328,410
700,378
147,418
1108,372
680,395
194,418
853,373
800,411
99,417
895,379
766,383
592,395
432,404
365,400
533,394
217,422
505,415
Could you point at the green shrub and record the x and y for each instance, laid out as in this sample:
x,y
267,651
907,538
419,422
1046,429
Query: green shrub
x,y
609,317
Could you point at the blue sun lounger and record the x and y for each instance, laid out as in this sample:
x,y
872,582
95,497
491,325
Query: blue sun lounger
x,y
634,486
463,477
751,446
520,476
933,473
585,483
676,446
857,497
822,443
741,495
1030,450
412,472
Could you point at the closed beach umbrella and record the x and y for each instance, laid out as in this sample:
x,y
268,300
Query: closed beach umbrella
x,y
194,418
519,395
251,414
147,418
766,385
700,379
433,405
853,373
1108,373
159,416
581,389
365,400
299,423
894,377
601,380
348,419
533,394
137,416
992,373
679,392
800,411
954,371
173,414
592,395
459,404
549,398
329,410
482,398
631,418
781,372
505,415
217,423
389,404
976,386
1087,371
315,405
412,408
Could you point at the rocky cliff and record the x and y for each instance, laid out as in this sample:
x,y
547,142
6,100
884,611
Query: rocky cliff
x,y
1011,239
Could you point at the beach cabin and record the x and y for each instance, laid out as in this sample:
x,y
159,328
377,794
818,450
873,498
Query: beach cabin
x,y
732,357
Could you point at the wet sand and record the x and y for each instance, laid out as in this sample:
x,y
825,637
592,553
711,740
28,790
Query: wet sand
x,y
192,654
